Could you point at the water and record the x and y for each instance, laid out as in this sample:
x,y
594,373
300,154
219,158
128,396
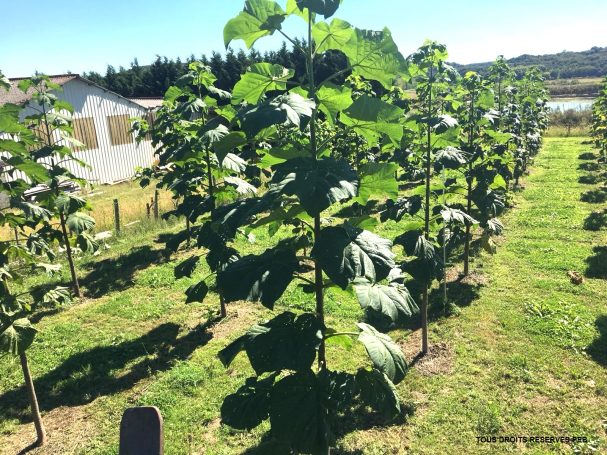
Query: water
x,y
577,104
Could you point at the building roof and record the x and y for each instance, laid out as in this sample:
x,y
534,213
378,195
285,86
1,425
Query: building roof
x,y
149,103
15,96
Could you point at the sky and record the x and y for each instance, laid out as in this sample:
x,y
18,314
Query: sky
x,y
84,35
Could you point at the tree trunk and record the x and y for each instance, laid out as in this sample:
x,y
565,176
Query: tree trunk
x,y
70,258
29,385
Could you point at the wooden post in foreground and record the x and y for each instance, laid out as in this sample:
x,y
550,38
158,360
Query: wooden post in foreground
x,y
156,205
141,432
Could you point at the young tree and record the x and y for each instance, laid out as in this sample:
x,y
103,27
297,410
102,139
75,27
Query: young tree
x,y
50,119
307,179
19,258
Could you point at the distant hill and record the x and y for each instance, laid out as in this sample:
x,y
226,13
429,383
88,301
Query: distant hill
x,y
564,65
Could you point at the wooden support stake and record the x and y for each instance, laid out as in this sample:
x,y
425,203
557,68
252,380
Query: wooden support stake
x,y
148,209
116,216
141,432
156,205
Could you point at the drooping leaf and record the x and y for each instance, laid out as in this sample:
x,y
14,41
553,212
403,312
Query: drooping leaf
x,y
259,79
261,278
287,342
287,109
86,242
297,415
396,210
317,183
249,405
17,337
228,143
378,392
451,215
242,187
494,227
383,352
33,170
346,253
450,158
79,222
393,301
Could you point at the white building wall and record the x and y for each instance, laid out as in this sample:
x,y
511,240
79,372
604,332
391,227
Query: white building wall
x,y
107,163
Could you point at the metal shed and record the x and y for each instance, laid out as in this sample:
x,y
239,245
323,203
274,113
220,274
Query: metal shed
x,y
101,121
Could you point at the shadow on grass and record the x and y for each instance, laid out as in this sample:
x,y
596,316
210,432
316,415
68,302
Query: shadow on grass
x,y
596,220
590,166
594,196
358,418
117,274
590,179
598,349
597,263
97,372
587,156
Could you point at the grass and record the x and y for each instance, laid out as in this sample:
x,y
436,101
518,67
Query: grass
x,y
525,356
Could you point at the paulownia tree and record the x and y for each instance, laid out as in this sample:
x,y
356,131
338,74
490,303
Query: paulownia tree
x,y
195,162
307,179
20,258
62,213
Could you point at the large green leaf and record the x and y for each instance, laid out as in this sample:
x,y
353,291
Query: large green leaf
x,y
325,8
378,392
297,414
260,18
17,337
259,79
86,242
451,215
333,99
371,118
374,55
317,183
287,342
346,253
287,109
34,171
249,405
332,36
261,278
378,181
70,203
383,352
228,143
79,222
450,158
393,300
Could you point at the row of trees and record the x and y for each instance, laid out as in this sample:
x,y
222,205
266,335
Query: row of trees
x,y
35,145
292,149
599,121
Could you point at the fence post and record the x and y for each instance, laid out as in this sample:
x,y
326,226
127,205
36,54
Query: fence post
x,y
148,209
116,216
17,236
156,204
187,228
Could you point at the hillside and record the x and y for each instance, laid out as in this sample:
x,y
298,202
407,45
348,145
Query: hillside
x,y
564,65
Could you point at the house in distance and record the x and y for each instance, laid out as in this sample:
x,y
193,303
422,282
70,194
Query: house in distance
x,y
101,121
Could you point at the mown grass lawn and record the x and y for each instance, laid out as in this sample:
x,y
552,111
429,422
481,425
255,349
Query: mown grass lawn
x,y
526,356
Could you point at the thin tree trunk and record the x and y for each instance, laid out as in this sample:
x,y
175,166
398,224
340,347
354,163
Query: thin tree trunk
x,y
70,258
318,280
29,385
424,307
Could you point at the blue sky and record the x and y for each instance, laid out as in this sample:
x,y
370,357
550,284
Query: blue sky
x,y
82,35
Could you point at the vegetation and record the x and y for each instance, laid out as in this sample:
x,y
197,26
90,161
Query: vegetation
x,y
295,185
564,65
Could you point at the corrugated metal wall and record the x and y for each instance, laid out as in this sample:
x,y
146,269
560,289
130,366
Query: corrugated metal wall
x,y
108,163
